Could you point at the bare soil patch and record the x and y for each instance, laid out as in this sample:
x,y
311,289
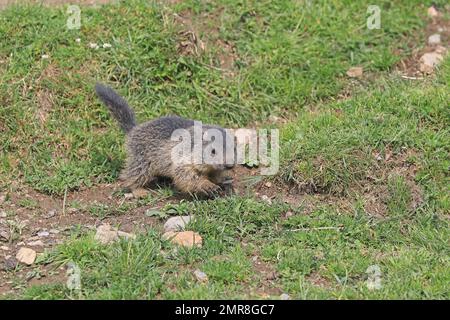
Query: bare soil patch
x,y
201,34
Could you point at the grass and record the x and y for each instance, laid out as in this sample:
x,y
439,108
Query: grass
x,y
289,55
388,142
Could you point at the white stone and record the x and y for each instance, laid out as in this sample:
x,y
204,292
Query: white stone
x,y
106,234
43,233
93,45
266,199
434,39
200,276
285,296
177,223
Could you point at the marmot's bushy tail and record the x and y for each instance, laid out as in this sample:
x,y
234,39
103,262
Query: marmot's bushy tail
x,y
118,106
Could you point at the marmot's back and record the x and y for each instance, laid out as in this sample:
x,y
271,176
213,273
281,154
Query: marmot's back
x,y
162,128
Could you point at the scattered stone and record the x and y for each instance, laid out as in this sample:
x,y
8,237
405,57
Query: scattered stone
x,y
128,196
50,214
43,234
434,39
289,214
2,198
184,238
432,12
285,296
54,231
9,264
93,45
77,40
72,210
266,199
177,223
106,234
126,235
268,184
200,276
26,256
3,214
4,235
4,248
429,61
106,45
140,193
355,72
378,157
45,56
441,50
37,243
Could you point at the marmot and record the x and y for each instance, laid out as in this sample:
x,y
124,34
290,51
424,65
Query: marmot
x,y
149,150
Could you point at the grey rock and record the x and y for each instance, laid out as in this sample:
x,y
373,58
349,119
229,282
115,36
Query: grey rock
x,y
285,296
4,234
106,234
9,264
177,223
50,214
434,39
37,243
200,276
43,233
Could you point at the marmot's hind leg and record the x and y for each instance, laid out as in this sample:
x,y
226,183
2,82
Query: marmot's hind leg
x,y
136,176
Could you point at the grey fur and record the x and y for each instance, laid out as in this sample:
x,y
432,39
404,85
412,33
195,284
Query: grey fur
x,y
149,150
118,107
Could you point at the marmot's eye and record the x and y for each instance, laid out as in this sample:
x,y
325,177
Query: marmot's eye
x,y
213,151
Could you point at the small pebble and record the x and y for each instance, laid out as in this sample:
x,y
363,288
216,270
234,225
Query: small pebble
x,y
434,39
200,276
285,296
43,234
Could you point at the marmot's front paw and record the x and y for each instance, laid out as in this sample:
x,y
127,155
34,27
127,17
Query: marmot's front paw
x,y
208,188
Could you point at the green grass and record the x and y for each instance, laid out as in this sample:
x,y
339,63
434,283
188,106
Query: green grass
x,y
288,54
389,140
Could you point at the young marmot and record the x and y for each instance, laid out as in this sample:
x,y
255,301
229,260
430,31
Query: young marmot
x,y
149,150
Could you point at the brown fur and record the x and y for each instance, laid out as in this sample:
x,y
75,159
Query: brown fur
x,y
149,148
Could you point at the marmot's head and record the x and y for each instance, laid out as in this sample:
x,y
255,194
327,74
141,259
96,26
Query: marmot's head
x,y
208,148
219,149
